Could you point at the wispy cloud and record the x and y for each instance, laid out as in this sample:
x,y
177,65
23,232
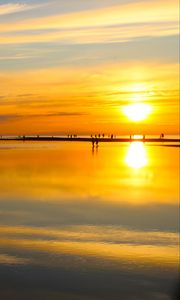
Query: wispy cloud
x,y
7,117
10,8
97,35
15,57
141,12
113,24
6,259
11,117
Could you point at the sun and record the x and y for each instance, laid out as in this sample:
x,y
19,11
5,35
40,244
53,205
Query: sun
x,y
137,112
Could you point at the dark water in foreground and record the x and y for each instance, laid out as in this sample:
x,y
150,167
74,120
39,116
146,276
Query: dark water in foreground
x,y
81,225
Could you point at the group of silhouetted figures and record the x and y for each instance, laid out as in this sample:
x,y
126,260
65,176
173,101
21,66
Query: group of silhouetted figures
x,y
95,138
71,136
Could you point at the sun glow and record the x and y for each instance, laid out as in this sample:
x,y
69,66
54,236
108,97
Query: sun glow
x,y
136,157
137,112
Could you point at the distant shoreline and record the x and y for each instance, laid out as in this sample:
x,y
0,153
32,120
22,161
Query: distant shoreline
x,y
95,140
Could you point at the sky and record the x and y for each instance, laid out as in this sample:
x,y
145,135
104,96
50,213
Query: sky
x,y
77,66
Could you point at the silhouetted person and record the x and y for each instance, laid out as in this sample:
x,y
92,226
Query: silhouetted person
x,y
92,150
162,135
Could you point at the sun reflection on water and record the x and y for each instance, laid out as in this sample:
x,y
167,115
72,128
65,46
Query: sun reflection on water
x,y
136,157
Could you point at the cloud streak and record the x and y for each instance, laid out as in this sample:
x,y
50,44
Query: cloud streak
x,y
11,117
11,8
118,23
95,35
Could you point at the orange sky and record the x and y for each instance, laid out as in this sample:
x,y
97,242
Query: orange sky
x,y
76,68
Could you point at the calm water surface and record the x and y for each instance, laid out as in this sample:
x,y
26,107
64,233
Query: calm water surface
x,y
81,224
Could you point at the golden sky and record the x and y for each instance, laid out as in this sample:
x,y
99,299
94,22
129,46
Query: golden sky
x,y
78,66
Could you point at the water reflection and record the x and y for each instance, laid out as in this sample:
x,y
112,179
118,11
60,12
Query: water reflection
x,y
136,156
102,227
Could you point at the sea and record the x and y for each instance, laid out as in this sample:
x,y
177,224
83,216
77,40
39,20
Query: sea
x,y
88,223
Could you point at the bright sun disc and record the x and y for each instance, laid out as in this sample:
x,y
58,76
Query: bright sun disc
x,y
137,112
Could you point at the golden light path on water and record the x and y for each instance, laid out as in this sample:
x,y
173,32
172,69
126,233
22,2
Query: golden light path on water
x,y
136,155
44,173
